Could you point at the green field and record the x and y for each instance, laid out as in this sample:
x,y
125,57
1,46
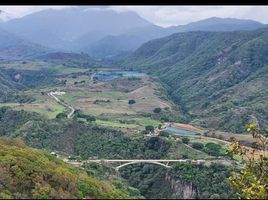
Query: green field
x,y
40,65
179,149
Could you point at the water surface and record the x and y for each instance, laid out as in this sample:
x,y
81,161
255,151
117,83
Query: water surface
x,y
181,132
110,75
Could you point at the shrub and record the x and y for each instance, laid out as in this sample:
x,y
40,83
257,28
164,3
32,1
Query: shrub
x,y
164,134
185,140
131,101
157,110
61,116
149,128
197,145
213,149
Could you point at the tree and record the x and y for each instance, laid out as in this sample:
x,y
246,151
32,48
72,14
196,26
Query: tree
x,y
164,134
252,181
149,128
197,145
213,149
61,116
157,110
185,140
131,101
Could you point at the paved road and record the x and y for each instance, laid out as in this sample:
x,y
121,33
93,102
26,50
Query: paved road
x,y
70,115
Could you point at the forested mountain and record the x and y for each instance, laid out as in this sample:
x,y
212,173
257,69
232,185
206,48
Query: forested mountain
x,y
218,78
113,45
8,89
220,24
35,174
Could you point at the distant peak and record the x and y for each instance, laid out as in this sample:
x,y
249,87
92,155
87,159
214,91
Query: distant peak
x,y
227,19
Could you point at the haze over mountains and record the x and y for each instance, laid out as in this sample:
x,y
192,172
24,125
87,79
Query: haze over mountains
x,y
14,47
105,33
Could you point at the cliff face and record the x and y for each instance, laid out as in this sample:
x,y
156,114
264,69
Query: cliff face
x,y
182,190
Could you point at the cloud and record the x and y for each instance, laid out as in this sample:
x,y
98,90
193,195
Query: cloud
x,y
20,11
165,15
179,15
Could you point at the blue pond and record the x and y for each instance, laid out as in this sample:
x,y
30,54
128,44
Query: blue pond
x,y
110,75
178,131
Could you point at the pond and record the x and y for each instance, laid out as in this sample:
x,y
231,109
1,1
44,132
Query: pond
x,y
110,75
181,132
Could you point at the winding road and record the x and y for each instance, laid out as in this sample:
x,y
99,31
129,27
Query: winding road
x,y
52,95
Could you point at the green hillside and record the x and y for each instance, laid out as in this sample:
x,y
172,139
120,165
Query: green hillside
x,y
32,173
8,89
218,78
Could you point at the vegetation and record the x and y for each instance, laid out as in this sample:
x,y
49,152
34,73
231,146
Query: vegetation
x,y
149,128
157,110
61,116
31,173
182,181
213,149
185,140
148,179
197,145
131,101
252,181
209,181
202,72
80,114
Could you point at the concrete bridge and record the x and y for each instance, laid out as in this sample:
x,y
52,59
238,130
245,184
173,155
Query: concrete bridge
x,y
161,162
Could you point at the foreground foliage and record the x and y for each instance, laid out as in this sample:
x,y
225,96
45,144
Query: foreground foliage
x,y
252,181
31,173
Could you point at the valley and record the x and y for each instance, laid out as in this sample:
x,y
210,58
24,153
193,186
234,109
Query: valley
x,y
76,106
98,103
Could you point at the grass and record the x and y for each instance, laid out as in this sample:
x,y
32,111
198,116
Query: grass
x,y
179,149
115,124
39,65
43,104
132,122
116,113
49,109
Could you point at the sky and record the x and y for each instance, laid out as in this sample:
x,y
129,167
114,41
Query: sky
x,y
165,15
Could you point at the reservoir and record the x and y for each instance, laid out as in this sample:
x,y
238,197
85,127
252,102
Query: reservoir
x,y
181,132
110,75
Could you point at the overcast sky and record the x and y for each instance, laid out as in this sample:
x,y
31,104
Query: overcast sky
x,y
167,15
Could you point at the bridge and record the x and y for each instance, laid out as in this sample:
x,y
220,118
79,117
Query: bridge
x,y
123,163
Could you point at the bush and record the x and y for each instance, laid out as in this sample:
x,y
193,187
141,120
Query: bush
x,y
131,101
149,128
184,156
61,116
157,110
213,149
185,140
197,145
164,134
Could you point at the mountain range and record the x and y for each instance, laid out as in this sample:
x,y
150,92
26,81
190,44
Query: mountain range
x,y
218,78
104,33
14,47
